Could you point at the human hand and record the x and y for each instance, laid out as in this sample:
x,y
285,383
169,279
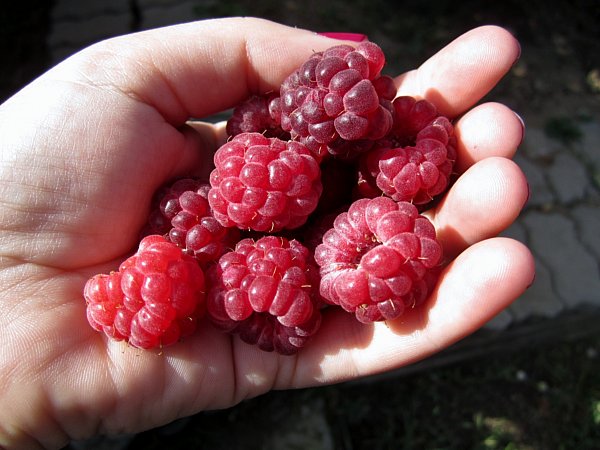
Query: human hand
x,y
86,145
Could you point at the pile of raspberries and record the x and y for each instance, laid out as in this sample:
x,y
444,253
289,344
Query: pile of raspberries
x,y
314,202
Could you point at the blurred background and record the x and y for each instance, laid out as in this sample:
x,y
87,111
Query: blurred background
x,y
530,378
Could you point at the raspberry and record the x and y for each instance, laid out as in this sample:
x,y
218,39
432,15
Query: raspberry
x,y
182,213
338,101
414,163
410,117
254,116
153,300
266,291
264,184
379,258
294,161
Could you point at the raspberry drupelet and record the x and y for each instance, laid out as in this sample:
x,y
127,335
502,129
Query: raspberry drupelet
x,y
266,291
264,184
154,299
379,258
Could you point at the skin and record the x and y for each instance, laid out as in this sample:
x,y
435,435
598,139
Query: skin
x,y
85,146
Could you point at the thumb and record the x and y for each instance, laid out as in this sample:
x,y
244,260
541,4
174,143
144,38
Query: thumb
x,y
199,68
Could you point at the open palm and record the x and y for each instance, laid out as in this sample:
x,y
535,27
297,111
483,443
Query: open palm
x,y
86,145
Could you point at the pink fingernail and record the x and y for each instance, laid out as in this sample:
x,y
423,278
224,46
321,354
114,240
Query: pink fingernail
x,y
528,195
355,37
522,127
532,281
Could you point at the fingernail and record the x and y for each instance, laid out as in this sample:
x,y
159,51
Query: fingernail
x,y
532,281
522,126
519,54
355,37
528,195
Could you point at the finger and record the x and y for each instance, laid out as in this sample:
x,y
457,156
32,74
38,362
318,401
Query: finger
x,y
196,144
487,130
485,200
460,74
479,284
199,68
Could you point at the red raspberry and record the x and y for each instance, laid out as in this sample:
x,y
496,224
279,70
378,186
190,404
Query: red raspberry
x,y
266,291
410,117
379,258
254,116
153,300
264,184
182,213
414,163
338,96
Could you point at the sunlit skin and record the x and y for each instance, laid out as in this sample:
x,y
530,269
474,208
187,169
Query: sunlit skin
x,y
85,146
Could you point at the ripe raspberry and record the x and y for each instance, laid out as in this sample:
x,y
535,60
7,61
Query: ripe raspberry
x,y
266,291
338,96
182,213
254,116
414,163
153,300
379,258
264,184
